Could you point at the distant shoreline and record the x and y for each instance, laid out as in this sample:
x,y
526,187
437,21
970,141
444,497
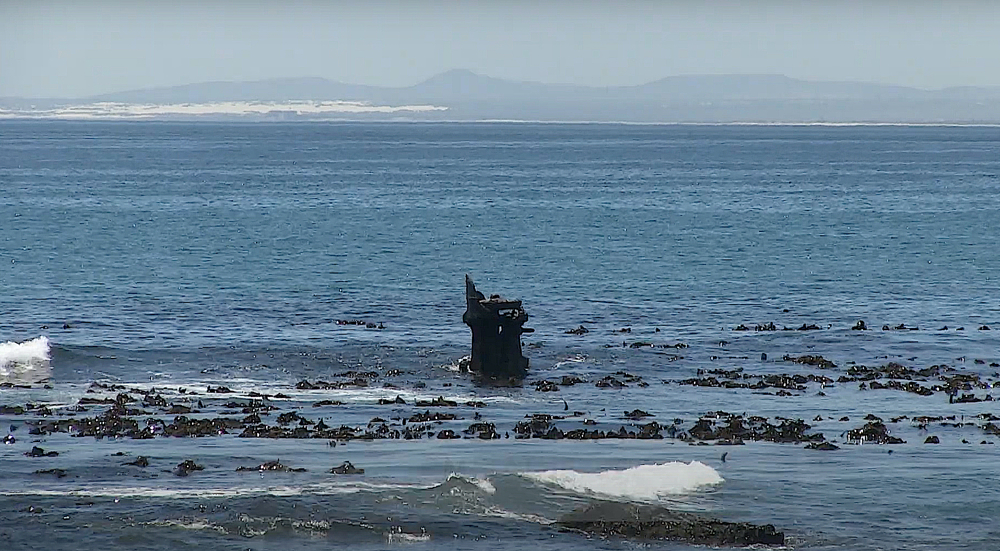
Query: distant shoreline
x,y
249,120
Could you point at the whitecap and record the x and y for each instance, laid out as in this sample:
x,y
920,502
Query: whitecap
x,y
187,524
641,483
481,483
26,361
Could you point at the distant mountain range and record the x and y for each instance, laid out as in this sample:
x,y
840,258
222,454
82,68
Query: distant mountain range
x,y
465,95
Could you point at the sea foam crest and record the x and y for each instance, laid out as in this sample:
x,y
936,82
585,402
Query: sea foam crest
x,y
641,483
25,356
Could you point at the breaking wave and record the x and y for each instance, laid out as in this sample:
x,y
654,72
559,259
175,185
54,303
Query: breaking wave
x,y
642,483
25,362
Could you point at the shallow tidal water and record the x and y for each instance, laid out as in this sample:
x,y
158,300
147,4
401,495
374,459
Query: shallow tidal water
x,y
183,257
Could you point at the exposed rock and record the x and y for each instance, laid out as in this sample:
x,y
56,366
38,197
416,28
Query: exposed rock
x,y
39,452
818,361
346,468
272,466
646,522
187,467
874,432
397,401
58,473
141,461
546,386
822,446
436,402
427,416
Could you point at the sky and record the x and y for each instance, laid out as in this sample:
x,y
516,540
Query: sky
x,y
70,49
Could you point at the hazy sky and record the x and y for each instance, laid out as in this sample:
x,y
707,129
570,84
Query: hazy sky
x,y
78,48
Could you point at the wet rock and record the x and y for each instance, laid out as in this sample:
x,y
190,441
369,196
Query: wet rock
x,y
323,403
965,399
724,426
427,416
546,386
447,434
218,390
437,402
818,361
822,446
874,432
637,414
9,439
186,427
270,466
187,467
648,522
809,327
932,440
483,431
141,461
39,452
860,326
578,331
58,473
154,400
290,417
397,401
346,468
609,382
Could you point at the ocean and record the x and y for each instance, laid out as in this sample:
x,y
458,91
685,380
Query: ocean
x,y
312,270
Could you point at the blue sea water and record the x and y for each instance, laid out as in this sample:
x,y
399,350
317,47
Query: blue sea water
x,y
184,255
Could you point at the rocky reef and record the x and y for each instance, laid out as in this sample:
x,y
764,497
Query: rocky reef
x,y
649,522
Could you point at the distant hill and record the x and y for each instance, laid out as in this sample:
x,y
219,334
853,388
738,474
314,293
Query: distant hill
x,y
692,98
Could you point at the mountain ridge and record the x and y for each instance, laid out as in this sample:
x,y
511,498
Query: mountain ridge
x,y
462,94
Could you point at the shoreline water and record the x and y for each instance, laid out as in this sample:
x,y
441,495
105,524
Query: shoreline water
x,y
189,257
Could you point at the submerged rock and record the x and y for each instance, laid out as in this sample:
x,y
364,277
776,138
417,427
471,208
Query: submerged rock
x,y
141,461
274,466
346,468
39,452
608,519
186,467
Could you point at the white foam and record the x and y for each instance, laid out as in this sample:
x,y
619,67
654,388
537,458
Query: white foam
x,y
503,513
187,525
35,350
189,493
575,359
405,537
459,364
19,360
481,483
642,483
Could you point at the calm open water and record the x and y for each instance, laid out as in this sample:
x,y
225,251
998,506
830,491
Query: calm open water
x,y
188,255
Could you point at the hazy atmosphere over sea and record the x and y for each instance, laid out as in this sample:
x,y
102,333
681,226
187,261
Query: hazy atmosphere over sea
x,y
235,237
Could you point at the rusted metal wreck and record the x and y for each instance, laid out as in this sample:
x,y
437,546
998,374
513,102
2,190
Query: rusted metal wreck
x,y
497,325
